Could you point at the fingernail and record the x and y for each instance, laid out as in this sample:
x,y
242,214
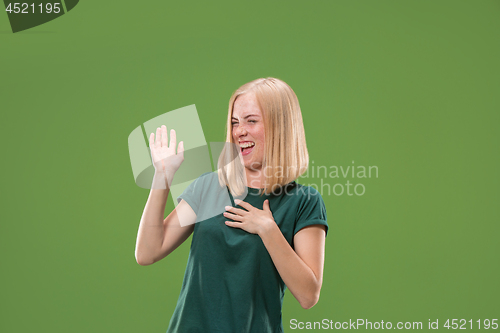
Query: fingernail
x,y
228,207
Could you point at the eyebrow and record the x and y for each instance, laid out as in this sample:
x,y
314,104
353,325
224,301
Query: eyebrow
x,y
250,115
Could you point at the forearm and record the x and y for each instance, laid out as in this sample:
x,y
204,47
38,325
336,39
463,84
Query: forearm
x,y
151,229
298,277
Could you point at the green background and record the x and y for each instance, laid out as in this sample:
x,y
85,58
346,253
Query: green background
x,y
409,86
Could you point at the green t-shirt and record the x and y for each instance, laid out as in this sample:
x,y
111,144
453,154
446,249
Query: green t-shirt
x,y
231,284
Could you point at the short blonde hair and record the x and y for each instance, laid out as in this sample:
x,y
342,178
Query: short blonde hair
x,y
285,150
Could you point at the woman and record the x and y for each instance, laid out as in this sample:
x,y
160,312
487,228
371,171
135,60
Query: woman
x,y
242,260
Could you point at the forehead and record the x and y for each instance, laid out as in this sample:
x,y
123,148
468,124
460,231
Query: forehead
x,y
246,105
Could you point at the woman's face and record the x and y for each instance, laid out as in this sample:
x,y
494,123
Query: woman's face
x,y
248,130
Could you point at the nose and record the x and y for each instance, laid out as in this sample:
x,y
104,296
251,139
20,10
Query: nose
x,y
241,130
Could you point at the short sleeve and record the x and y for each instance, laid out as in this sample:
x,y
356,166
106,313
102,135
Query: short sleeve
x,y
311,210
206,196
193,194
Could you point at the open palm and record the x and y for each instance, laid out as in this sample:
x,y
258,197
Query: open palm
x,y
165,159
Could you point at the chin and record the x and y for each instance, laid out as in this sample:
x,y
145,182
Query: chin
x,y
254,166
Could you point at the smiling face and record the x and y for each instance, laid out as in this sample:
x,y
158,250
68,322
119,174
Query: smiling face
x,y
248,130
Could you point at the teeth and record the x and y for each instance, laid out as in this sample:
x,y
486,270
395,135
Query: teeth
x,y
247,144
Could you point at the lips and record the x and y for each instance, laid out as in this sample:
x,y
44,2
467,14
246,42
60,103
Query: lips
x,y
246,147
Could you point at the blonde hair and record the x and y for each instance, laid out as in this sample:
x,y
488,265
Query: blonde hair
x,y
285,150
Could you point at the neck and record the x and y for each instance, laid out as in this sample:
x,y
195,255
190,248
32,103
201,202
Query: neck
x,y
254,178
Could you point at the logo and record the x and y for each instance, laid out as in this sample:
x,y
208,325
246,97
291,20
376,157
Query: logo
x,y
26,15
200,158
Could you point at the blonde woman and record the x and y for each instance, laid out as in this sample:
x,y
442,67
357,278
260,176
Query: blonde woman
x,y
242,260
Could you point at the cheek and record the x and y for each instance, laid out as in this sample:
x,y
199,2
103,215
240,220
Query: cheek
x,y
261,135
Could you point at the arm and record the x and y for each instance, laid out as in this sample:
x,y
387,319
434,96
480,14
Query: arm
x,y
158,237
302,269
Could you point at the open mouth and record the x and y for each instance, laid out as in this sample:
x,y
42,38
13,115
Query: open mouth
x,y
246,147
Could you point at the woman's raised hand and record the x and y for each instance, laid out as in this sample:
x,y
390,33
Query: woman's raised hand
x,y
165,160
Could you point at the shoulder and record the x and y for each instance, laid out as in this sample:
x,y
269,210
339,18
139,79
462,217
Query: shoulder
x,y
307,190
311,208
303,198
204,194
205,180
303,194
197,187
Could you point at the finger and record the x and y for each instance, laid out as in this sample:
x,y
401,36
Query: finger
x,y
173,139
158,136
180,149
151,140
243,204
164,136
236,210
233,224
233,216
266,205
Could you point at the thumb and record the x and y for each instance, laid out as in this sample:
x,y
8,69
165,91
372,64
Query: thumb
x,y
180,148
266,205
